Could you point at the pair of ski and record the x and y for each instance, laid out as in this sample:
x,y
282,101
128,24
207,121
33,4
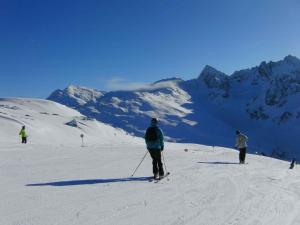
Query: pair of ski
x,y
160,178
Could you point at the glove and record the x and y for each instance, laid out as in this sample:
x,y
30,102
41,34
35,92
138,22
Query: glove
x,y
162,148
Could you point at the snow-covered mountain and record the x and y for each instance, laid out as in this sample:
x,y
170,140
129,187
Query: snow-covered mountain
x,y
52,124
263,102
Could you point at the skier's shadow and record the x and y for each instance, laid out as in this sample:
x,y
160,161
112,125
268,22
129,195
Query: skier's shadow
x,y
219,163
89,182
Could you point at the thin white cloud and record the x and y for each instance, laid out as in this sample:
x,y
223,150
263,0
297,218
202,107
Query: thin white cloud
x,y
117,83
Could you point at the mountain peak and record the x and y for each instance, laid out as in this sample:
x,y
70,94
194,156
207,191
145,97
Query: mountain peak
x,y
210,71
291,59
73,89
213,78
81,95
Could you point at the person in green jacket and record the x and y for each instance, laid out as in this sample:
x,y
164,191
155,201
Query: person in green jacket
x,y
23,135
155,144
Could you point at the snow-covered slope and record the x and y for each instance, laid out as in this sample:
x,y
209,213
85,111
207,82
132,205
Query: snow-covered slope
x,y
50,123
52,180
262,101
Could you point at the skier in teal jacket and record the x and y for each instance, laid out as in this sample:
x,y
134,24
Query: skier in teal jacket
x,y
154,138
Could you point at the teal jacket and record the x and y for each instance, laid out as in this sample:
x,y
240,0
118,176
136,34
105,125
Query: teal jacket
x,y
159,143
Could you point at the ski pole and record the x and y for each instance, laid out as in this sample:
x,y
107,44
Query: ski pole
x,y
164,162
140,163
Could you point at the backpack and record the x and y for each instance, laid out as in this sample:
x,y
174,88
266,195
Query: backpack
x,y
151,134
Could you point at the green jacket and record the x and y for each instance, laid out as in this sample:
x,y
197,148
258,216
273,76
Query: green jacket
x,y
23,133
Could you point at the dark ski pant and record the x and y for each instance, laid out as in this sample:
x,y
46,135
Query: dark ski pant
x,y
156,161
24,140
242,155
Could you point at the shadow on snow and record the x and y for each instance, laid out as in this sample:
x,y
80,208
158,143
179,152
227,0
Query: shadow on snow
x,y
217,163
88,182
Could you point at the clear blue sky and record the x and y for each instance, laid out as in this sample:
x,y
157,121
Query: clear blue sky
x,y
49,44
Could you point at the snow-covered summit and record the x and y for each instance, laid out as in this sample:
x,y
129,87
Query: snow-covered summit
x,y
81,95
289,65
292,60
210,71
214,79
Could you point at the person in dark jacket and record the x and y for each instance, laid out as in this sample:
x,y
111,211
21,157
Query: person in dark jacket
x,y
155,144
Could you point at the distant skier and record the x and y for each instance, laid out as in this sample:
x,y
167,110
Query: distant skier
x,y
155,144
241,144
23,135
293,163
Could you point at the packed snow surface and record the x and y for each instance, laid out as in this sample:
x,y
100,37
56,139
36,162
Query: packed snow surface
x,y
52,180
